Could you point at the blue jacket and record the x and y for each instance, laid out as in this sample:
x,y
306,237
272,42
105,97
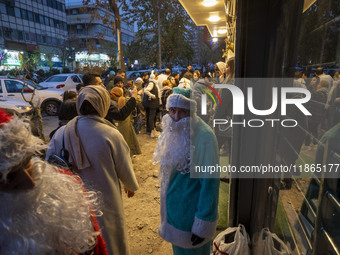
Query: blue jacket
x,y
190,205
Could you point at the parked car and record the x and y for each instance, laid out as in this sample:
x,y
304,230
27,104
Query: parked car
x,y
133,75
15,106
48,100
63,81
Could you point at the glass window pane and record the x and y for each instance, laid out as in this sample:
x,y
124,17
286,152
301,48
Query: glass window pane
x,y
17,12
13,86
3,8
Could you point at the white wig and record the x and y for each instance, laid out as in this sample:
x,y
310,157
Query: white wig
x,y
17,144
51,218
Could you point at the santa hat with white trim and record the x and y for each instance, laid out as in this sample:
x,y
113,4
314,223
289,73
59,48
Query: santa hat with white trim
x,y
181,98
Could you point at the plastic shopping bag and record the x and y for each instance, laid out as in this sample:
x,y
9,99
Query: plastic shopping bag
x,y
267,243
232,241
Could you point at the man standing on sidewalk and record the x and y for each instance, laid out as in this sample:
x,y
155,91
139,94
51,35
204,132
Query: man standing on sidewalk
x,y
188,205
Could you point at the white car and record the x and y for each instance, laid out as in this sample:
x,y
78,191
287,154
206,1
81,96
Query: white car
x,y
15,106
48,100
63,81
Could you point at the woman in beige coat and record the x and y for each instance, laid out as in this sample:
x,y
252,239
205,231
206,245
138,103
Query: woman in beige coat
x,y
102,159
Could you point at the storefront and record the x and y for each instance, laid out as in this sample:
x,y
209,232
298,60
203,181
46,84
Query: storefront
x,y
273,40
93,59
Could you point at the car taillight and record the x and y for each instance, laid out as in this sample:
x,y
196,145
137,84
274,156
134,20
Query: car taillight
x,y
60,86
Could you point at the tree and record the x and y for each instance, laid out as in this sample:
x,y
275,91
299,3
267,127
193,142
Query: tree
x,y
103,11
67,49
176,36
111,50
3,56
30,59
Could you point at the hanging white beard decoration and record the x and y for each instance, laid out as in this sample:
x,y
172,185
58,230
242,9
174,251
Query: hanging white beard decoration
x,y
174,146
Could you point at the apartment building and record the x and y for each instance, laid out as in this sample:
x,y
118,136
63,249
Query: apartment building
x,y
28,25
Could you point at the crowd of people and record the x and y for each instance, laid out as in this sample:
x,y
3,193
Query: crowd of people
x,y
77,208
324,107
49,210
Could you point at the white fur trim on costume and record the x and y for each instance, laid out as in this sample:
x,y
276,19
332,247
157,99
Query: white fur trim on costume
x,y
180,101
178,237
204,228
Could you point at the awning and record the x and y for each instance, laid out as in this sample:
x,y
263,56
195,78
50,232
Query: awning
x,y
203,14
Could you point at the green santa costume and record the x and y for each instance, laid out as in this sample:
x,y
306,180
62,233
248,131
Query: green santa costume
x,y
188,205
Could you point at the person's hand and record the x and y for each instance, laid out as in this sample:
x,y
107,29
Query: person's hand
x,y
153,97
129,192
195,239
133,92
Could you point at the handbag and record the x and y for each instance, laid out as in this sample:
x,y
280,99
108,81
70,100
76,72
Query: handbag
x,y
61,159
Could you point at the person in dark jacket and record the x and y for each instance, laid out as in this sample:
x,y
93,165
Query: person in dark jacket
x,y
151,103
114,113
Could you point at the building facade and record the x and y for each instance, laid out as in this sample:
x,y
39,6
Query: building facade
x,y
92,40
30,25
60,33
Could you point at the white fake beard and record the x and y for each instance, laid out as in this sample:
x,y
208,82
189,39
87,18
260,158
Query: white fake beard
x,y
174,146
51,218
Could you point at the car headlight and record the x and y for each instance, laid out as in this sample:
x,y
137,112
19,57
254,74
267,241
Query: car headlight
x,y
23,107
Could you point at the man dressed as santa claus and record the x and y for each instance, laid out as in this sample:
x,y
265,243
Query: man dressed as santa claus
x,y
43,210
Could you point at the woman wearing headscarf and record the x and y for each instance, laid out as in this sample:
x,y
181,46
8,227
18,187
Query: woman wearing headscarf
x,y
95,147
125,127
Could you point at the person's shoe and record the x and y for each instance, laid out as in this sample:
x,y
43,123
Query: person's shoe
x,y
154,134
